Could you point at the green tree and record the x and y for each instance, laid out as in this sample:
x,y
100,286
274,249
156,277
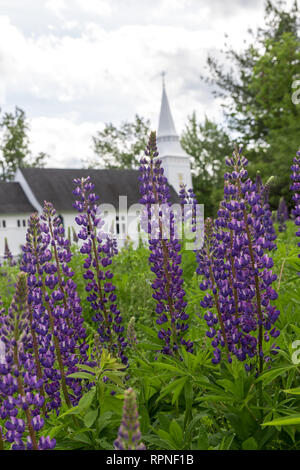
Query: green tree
x,y
257,91
14,144
120,147
208,145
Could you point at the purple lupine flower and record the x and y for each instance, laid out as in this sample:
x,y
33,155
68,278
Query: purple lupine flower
x,y
64,303
238,272
54,307
295,187
266,216
165,257
129,435
8,254
282,215
19,384
36,256
99,249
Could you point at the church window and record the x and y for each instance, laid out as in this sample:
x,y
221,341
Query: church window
x,y
19,223
4,223
24,223
117,225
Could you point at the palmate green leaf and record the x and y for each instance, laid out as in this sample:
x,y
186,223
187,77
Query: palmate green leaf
x,y
104,420
269,376
158,443
85,367
214,398
87,399
189,395
192,426
82,375
176,433
250,444
293,391
176,385
176,370
115,378
285,421
55,431
202,443
90,418
177,391
166,437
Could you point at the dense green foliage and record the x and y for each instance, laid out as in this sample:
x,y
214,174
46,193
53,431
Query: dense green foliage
x,y
15,145
208,145
257,86
191,404
120,147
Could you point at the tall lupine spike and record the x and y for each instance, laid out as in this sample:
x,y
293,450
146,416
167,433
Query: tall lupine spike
x,y
18,380
99,248
266,216
36,255
295,187
164,247
282,215
63,305
129,435
8,254
238,272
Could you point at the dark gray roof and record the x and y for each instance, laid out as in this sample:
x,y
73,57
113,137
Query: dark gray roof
x,y
13,199
56,185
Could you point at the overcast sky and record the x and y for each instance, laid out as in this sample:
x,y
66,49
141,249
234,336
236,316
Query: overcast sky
x,y
73,65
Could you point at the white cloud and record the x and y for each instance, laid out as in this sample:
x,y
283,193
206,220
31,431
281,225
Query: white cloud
x,y
67,142
98,61
97,7
56,6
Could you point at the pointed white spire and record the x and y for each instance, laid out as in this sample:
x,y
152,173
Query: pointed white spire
x,y
175,160
166,126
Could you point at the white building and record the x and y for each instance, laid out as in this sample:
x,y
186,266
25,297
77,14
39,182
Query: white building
x,y
175,160
118,190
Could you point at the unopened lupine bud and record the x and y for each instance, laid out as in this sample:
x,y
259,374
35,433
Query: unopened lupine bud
x,y
129,435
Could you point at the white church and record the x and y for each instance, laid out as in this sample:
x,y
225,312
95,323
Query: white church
x,y
118,190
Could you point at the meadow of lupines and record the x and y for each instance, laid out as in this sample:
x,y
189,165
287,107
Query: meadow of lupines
x,y
156,346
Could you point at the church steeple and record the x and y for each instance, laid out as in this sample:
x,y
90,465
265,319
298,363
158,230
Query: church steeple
x,y
175,160
166,126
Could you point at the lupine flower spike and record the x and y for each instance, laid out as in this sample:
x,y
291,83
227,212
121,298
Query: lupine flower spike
x,y
160,224
282,215
129,435
238,272
295,187
99,249
19,384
